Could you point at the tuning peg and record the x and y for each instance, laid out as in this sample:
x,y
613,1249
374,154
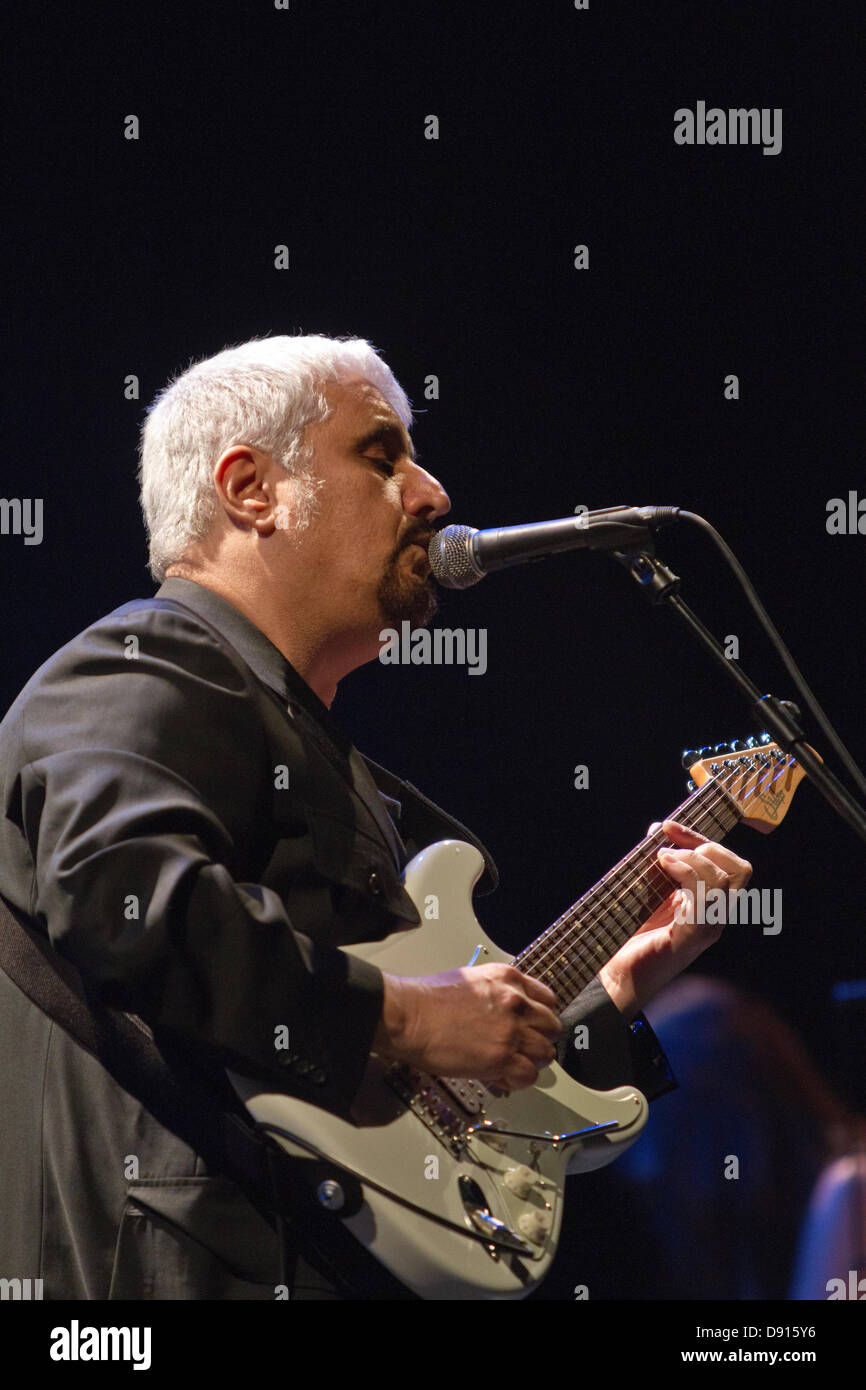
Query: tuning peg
x,y
738,746
722,748
765,738
751,742
690,786
690,757
706,752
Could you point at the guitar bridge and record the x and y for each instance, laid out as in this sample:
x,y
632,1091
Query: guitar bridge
x,y
435,1101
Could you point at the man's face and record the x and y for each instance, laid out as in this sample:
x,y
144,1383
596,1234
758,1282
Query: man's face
x,y
376,511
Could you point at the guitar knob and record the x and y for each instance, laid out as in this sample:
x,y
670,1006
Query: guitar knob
x,y
535,1225
520,1180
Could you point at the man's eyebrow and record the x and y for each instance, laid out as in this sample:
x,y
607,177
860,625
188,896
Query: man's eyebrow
x,y
389,435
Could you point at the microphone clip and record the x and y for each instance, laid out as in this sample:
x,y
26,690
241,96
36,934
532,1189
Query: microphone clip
x,y
656,580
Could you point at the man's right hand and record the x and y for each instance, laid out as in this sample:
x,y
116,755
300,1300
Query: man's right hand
x,y
490,1022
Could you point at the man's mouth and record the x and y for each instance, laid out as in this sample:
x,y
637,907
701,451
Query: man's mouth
x,y
421,543
424,561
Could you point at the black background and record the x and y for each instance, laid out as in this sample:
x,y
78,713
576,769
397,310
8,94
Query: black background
x,y
558,387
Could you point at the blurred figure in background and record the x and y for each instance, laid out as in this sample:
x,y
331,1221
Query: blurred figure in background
x,y
727,1168
712,1201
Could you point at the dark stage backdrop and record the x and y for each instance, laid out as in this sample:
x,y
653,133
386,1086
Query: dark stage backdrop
x,y
424,174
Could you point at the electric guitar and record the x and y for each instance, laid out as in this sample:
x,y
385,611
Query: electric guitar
x,y
458,1187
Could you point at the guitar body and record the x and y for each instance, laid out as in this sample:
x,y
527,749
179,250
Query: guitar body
x,y
462,1188
423,1169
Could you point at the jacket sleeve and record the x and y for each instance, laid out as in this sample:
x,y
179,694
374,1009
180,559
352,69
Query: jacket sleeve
x,y
145,766
599,1049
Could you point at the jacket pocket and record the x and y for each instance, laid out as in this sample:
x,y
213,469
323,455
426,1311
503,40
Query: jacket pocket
x,y
192,1238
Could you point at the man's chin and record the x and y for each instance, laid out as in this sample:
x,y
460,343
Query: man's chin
x,y
418,606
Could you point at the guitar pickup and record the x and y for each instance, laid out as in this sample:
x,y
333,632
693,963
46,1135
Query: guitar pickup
x,y
427,1099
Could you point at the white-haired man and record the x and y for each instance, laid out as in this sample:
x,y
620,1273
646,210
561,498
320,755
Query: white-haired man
x,y
190,828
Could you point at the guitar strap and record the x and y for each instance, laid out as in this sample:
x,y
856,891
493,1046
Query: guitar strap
x,y
281,1188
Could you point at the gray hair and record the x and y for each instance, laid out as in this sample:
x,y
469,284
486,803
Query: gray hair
x,y
264,393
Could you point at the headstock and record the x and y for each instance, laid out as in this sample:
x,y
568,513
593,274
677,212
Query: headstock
x,y
758,776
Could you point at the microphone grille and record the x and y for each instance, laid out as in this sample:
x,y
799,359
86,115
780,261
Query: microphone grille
x,y
450,556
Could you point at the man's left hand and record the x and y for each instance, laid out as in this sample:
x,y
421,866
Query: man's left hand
x,y
667,942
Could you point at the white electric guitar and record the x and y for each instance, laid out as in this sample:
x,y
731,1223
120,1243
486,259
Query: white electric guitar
x,y
462,1186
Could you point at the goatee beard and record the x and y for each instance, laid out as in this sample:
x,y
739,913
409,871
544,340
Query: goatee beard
x,y
406,596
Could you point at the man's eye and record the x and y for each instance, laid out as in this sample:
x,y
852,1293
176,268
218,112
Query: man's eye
x,y
385,465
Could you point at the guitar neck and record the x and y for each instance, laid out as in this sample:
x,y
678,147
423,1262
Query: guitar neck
x,y
574,948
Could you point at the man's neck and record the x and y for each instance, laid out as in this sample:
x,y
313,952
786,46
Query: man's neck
x,y
321,659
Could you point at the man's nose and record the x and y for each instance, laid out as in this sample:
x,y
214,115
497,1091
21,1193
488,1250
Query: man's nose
x,y
424,493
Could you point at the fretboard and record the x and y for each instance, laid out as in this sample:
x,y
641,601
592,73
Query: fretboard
x,y
572,951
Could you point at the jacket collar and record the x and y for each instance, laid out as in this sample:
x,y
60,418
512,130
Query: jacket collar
x,y
257,650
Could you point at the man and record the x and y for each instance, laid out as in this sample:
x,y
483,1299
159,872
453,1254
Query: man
x,y
187,824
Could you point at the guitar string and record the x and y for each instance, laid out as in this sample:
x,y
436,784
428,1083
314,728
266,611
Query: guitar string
x,y
696,814
707,795
572,963
601,895
548,951
716,797
573,960
545,955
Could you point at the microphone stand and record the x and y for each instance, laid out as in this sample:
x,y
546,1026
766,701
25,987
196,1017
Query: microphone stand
x,y
778,717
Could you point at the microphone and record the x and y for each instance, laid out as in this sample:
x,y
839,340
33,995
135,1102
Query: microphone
x,y
460,556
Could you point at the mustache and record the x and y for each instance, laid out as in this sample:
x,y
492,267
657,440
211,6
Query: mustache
x,y
418,535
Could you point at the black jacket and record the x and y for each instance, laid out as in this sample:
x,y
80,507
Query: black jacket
x,y
191,827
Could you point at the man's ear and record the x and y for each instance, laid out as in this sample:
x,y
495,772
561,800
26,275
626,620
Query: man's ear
x,y
243,478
